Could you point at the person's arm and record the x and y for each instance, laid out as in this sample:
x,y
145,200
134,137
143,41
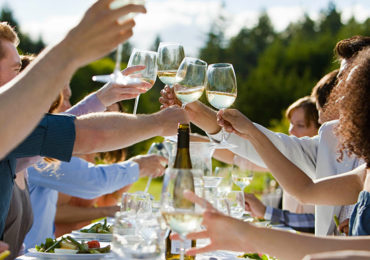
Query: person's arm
x,y
112,131
340,255
301,151
69,214
83,179
46,76
304,222
335,190
109,94
246,237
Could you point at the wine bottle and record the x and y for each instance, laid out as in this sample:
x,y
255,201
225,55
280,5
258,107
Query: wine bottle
x,y
182,161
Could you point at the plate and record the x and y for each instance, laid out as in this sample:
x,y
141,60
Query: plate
x,y
92,236
35,253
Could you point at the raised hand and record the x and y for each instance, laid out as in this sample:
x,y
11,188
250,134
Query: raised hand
x,y
234,121
254,205
168,98
99,31
150,165
111,93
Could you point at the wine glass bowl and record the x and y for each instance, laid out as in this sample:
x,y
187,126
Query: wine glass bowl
x,y
221,89
190,80
170,56
242,178
149,74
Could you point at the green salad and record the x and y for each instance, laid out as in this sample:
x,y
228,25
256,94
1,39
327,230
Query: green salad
x,y
257,256
90,247
99,228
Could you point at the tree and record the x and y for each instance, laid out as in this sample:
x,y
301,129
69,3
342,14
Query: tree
x,y
26,45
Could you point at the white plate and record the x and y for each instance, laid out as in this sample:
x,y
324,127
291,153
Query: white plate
x,y
92,236
35,253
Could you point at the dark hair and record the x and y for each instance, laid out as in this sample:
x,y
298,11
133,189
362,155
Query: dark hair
x,y
323,88
348,48
354,105
308,105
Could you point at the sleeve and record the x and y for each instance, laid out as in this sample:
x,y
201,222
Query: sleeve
x,y
82,179
89,104
53,137
301,222
300,151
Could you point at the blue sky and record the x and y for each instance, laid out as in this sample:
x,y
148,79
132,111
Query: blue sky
x,y
184,21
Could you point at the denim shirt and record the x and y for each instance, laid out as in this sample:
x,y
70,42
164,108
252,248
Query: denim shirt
x,y
53,137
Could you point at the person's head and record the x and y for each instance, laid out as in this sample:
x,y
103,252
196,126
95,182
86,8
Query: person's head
x,y
321,92
354,107
303,117
65,104
10,62
347,49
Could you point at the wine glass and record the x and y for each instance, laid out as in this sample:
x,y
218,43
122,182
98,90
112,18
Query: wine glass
x,y
190,80
116,76
242,178
221,90
149,74
180,214
170,56
234,203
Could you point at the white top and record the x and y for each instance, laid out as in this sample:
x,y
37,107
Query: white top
x,y
316,156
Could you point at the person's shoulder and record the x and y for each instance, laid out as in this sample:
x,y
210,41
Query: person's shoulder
x,y
328,126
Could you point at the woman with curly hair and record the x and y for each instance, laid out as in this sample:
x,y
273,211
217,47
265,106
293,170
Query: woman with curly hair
x,y
353,132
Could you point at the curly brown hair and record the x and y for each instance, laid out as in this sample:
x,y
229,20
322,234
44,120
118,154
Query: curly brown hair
x,y
348,48
354,106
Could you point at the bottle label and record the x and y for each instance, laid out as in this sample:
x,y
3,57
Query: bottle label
x,y
175,246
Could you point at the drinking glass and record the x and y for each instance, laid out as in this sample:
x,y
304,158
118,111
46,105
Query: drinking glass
x,y
190,80
144,242
116,76
136,205
234,203
170,56
242,178
225,184
149,74
221,90
180,214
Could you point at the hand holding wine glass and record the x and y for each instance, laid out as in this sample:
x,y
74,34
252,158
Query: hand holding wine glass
x,y
170,56
190,80
221,89
149,73
116,76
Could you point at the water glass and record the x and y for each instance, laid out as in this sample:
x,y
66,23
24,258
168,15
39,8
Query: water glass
x,y
233,204
136,205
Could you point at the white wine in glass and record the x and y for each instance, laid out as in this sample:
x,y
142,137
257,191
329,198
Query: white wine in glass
x,y
221,90
190,80
170,56
116,76
149,74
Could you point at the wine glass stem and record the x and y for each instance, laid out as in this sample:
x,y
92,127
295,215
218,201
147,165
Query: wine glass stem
x,y
136,104
223,135
117,67
182,249
183,105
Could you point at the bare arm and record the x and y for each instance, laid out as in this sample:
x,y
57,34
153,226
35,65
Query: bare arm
x,y
335,190
200,114
110,131
46,76
246,237
68,214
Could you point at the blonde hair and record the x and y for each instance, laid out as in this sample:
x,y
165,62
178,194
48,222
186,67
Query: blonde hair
x,y
7,33
308,105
